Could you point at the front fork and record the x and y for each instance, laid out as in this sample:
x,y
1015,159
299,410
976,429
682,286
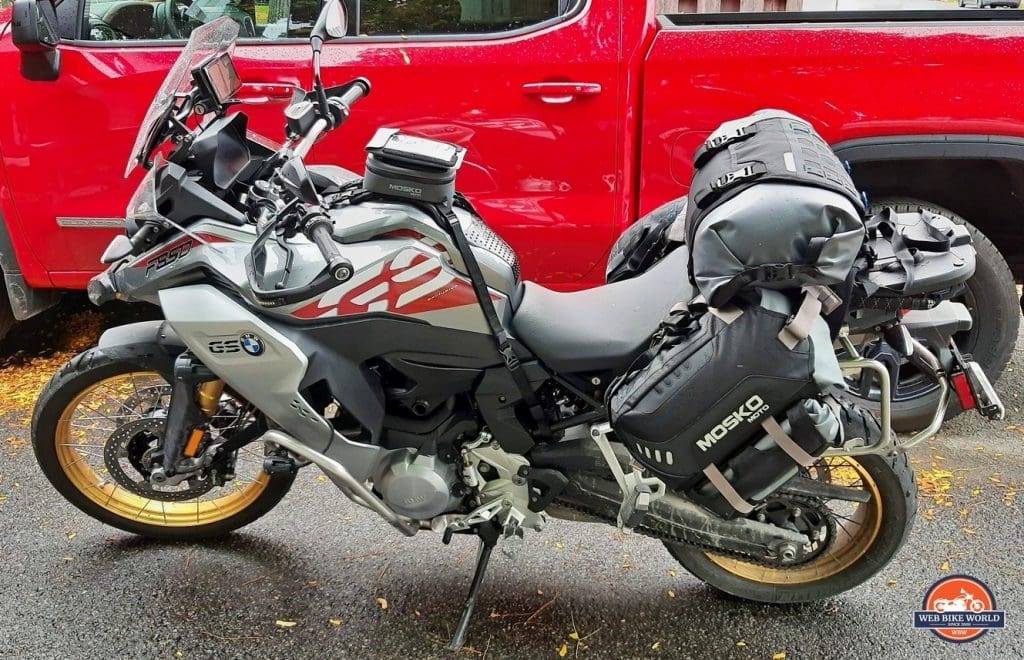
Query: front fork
x,y
195,399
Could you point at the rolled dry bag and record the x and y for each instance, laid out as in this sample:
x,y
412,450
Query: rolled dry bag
x,y
771,206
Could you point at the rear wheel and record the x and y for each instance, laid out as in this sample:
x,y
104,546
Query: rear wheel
x,y
991,298
863,537
94,430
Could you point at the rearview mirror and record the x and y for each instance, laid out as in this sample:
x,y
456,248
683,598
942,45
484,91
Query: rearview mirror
x,y
34,33
332,23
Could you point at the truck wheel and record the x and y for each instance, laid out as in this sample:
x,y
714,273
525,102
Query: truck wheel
x,y
6,313
991,297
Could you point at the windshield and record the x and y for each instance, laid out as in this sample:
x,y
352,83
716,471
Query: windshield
x,y
212,38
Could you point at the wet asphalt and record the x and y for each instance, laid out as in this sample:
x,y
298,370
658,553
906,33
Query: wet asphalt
x,y
320,577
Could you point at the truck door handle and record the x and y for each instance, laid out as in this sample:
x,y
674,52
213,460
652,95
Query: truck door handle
x,y
558,93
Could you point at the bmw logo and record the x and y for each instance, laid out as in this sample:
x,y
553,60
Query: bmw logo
x,y
252,344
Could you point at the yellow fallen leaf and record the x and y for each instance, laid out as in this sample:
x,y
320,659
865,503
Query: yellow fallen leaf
x,y
71,535
975,492
671,594
944,566
741,643
781,655
979,448
563,651
892,583
417,613
574,636
559,546
334,622
321,477
383,602
285,624
178,654
672,573
655,646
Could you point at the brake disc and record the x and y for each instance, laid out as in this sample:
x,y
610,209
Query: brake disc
x,y
135,442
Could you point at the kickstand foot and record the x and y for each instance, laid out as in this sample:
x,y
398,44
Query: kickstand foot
x,y
488,538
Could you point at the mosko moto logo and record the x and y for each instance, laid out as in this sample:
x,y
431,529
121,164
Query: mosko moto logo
x,y
252,344
959,608
749,411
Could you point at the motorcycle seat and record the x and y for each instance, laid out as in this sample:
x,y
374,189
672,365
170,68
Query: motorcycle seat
x,y
604,328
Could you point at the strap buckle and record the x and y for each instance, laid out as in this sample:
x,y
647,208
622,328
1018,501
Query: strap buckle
x,y
745,172
775,273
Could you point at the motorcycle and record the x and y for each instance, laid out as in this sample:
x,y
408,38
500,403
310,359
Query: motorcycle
x,y
389,342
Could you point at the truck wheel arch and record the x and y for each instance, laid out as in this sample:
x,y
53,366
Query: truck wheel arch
x,y
980,177
18,300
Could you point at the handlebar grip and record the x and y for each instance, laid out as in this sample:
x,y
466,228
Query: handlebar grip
x,y
319,231
360,88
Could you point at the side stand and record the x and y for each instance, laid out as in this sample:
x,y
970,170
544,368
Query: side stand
x,y
488,539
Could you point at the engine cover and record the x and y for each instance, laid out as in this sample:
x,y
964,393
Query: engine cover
x,y
419,487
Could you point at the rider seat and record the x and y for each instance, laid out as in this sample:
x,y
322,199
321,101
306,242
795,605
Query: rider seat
x,y
604,328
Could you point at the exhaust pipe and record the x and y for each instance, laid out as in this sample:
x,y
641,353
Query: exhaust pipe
x,y
336,472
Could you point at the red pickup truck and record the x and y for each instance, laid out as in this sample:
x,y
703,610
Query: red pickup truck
x,y
579,116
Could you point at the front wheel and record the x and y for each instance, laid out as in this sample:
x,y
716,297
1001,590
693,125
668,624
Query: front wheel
x,y
863,538
94,429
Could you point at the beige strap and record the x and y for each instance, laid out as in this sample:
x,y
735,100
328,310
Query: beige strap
x,y
719,481
727,314
830,302
799,327
786,443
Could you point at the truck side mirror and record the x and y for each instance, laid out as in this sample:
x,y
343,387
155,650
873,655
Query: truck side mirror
x,y
34,33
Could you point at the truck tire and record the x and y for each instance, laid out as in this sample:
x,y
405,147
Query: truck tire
x,y
990,291
6,313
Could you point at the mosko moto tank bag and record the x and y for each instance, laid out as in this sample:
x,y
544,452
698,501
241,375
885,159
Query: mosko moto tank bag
x,y
713,383
770,206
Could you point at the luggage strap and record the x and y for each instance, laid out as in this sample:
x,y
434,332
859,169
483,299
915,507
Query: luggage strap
x,y
723,486
483,296
881,224
786,443
817,298
722,184
715,144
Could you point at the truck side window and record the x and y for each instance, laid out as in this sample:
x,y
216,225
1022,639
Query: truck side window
x,y
425,17
116,20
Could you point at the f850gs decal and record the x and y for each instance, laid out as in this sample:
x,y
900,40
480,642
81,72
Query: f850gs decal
x,y
168,257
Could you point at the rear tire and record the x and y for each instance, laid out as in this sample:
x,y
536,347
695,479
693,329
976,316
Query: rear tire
x,y
996,315
893,477
50,437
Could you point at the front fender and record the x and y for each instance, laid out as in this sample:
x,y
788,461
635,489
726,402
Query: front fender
x,y
147,343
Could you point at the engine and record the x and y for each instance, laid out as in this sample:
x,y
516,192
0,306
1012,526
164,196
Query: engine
x,y
417,486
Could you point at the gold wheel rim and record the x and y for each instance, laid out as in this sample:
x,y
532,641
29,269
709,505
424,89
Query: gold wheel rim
x,y
75,445
855,534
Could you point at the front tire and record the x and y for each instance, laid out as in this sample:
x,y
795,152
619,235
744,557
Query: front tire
x,y
67,444
886,522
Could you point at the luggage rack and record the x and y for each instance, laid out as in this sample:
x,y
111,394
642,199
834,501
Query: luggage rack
x,y
890,441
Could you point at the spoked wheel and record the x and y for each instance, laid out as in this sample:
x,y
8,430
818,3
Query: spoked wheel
x,y
855,539
95,429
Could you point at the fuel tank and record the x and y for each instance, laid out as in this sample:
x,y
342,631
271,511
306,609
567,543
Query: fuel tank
x,y
407,265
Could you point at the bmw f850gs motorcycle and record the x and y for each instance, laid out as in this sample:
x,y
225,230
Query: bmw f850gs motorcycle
x,y
310,323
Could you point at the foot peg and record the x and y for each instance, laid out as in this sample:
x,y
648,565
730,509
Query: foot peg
x,y
982,395
279,465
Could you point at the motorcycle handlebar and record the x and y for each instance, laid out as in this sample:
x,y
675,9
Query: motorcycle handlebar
x,y
319,231
360,88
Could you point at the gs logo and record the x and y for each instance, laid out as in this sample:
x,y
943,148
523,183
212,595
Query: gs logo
x,y
165,259
249,342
